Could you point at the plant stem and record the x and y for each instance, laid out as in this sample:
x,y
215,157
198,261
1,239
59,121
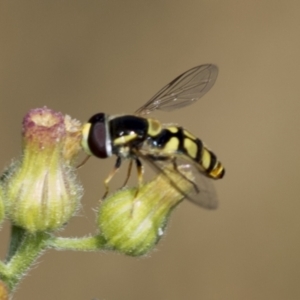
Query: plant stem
x,y
91,243
28,250
17,235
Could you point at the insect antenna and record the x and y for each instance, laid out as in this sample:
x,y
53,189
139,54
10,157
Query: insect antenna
x,y
83,162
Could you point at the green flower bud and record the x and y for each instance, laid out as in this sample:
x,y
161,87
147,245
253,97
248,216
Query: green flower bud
x,y
133,224
41,188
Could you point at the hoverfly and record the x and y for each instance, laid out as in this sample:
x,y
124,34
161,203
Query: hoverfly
x,y
138,137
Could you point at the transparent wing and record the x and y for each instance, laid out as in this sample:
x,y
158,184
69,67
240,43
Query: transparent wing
x,y
184,90
205,195
202,192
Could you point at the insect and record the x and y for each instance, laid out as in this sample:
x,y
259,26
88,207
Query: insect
x,y
138,137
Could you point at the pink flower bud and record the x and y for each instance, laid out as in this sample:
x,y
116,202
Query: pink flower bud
x,y
41,187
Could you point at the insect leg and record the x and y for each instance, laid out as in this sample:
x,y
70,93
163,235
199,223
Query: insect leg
x,y
111,175
128,173
174,162
140,172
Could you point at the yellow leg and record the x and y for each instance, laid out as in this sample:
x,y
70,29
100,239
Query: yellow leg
x,y
111,175
140,173
128,173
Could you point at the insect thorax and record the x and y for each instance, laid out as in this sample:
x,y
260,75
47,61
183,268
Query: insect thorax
x,y
129,133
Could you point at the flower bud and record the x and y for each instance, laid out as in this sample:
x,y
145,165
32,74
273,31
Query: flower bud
x,y
133,224
42,189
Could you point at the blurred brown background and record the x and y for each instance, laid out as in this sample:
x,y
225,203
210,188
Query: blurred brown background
x,y
82,57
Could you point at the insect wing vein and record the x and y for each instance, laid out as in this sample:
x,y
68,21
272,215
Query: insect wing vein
x,y
184,90
205,196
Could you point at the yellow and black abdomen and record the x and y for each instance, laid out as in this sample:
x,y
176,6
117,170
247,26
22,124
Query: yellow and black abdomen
x,y
177,141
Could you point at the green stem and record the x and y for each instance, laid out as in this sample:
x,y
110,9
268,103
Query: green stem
x,y
17,235
91,243
28,251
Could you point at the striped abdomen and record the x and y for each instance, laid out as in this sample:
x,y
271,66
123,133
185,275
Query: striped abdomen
x,y
178,141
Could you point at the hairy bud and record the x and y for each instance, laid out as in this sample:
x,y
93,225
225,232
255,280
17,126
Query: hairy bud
x,y
42,189
133,224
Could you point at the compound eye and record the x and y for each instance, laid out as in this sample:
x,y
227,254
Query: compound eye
x,y
98,141
97,118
